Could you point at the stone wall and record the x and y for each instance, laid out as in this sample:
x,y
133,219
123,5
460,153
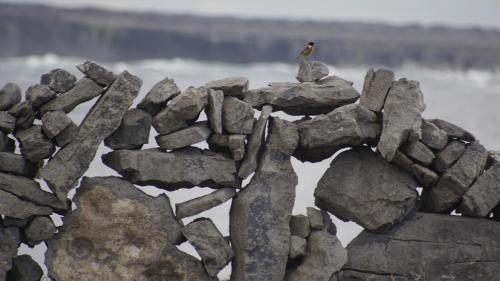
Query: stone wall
x,y
398,175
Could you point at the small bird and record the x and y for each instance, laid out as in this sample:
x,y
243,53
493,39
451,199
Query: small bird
x,y
307,52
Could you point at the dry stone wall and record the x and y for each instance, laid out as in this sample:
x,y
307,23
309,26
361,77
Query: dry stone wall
x,y
397,175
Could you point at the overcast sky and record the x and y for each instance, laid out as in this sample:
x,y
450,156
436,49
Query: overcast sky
x,y
449,12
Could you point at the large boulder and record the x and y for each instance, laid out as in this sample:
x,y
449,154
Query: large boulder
x,y
349,125
305,98
375,88
260,213
183,168
427,247
157,98
133,132
311,71
119,233
361,186
71,162
403,108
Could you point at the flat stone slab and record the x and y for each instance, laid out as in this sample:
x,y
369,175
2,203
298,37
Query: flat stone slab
x,y
133,131
261,212
17,164
305,98
183,168
7,122
156,99
403,108
200,204
194,134
362,187
231,86
97,73
375,88
430,246
118,233
12,206
71,162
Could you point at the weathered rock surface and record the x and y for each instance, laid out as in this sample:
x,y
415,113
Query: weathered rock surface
x,y
194,134
183,168
427,247
97,73
457,179
24,268
12,206
133,131
39,229
316,218
103,241
305,98
375,88
181,110
71,162
483,195
59,80
323,135
9,243
324,256
425,176
54,122
83,91
34,144
254,144
298,247
10,94
214,110
157,98
30,190
446,157
200,204
218,142
231,86
39,94
237,116
236,144
311,71
350,191
213,249
6,143
453,130
260,213
299,226
432,136
17,164
419,152
66,135
7,122
24,113
402,116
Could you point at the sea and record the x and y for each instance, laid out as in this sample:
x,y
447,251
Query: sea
x,y
468,98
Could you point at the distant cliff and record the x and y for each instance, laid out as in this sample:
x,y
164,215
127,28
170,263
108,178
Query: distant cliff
x,y
105,35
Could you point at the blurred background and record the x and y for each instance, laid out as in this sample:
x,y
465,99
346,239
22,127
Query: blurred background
x,y
451,46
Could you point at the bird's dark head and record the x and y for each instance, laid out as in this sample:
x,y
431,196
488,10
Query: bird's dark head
x,y
311,44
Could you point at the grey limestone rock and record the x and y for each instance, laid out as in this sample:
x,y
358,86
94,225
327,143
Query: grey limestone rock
x,y
446,157
35,146
97,73
84,90
425,176
316,218
419,152
39,229
24,113
7,122
39,94
350,191
299,226
298,247
349,125
236,144
402,161
181,110
402,117
427,247
133,131
375,88
183,168
453,130
191,135
237,116
457,179
305,98
54,122
254,144
231,86
66,135
200,204
71,162
432,136
59,80
214,110
17,164
10,94
9,243
6,143
311,71
214,250
24,268
103,241
12,206
156,99
218,142
260,213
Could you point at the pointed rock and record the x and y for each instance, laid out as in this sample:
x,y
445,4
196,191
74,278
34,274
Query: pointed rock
x,y
133,131
10,94
231,86
97,73
203,203
158,96
311,71
375,89
194,134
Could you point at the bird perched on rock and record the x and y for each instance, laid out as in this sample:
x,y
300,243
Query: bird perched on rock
x,y
307,52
